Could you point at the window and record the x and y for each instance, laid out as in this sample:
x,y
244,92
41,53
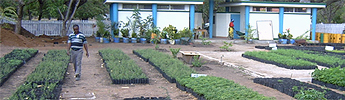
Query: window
x,y
129,6
300,9
266,9
263,9
288,9
136,6
272,9
171,7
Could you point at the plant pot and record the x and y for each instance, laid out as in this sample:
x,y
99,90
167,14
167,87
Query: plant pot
x,y
116,40
134,40
177,41
282,41
125,40
101,40
171,41
97,39
106,40
250,41
164,41
143,40
291,41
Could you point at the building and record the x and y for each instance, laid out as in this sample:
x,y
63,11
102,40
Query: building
x,y
179,13
269,18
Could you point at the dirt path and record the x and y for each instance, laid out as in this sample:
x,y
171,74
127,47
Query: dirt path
x,y
18,78
95,81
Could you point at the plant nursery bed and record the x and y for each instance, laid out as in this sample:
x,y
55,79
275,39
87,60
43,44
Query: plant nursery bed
x,y
201,45
148,98
13,68
278,64
328,85
285,86
131,81
320,49
171,80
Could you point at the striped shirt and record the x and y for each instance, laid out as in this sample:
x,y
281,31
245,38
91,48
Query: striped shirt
x,y
77,40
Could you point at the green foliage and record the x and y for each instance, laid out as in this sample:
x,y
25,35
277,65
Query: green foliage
x,y
8,12
216,88
197,61
174,68
11,61
308,94
282,59
174,51
226,46
171,32
185,32
134,35
331,61
102,32
115,28
203,41
42,82
91,9
334,75
125,32
120,66
250,33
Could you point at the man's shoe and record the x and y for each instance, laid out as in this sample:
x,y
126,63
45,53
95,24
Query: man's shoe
x,y
77,77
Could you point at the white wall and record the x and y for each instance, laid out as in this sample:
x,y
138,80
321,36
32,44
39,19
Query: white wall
x,y
254,17
222,22
297,23
198,20
177,19
124,14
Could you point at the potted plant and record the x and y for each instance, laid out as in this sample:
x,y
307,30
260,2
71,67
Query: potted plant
x,y
289,37
186,35
125,34
171,32
282,38
134,37
250,35
106,37
154,34
163,36
116,32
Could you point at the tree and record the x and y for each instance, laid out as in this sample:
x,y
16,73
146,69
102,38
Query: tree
x,y
91,9
205,9
68,16
331,13
20,6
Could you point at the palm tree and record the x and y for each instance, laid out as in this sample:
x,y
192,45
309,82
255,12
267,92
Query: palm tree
x,y
7,13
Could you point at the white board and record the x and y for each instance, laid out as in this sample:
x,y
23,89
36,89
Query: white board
x,y
264,29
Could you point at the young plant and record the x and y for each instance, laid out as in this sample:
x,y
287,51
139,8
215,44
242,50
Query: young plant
x,y
203,41
155,40
175,51
226,46
308,94
197,61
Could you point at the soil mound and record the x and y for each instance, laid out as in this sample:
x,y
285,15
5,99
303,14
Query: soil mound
x,y
9,38
23,31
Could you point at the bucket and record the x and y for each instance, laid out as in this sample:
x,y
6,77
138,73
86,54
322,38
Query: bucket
x,y
317,37
101,40
143,40
106,40
125,40
177,41
336,38
116,40
326,37
134,40
291,41
282,41
97,39
342,38
164,41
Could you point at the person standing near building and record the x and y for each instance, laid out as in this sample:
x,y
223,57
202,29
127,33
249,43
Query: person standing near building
x,y
231,29
76,42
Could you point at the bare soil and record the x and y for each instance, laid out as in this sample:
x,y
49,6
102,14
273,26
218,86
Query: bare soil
x,y
95,82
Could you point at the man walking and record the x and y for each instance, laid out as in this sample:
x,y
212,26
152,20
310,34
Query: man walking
x,y
76,41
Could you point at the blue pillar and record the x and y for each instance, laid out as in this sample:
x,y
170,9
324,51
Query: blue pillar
x,y
227,8
154,14
114,15
247,10
313,22
281,20
191,17
210,29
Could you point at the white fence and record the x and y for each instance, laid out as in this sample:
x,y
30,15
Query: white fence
x,y
330,28
54,28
